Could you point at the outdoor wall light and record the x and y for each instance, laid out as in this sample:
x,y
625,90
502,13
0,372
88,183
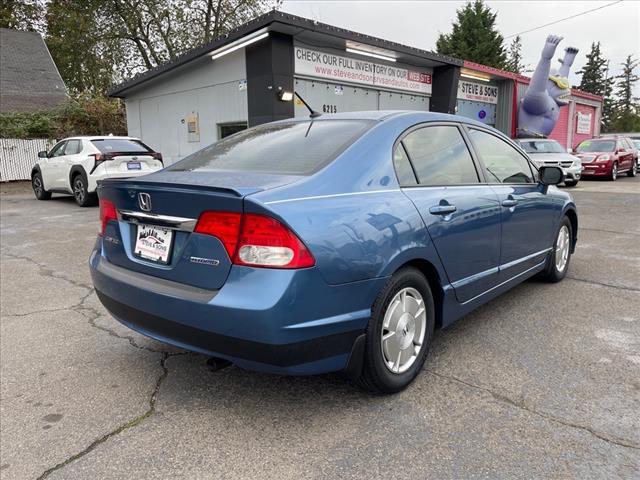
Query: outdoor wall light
x,y
475,77
232,47
370,54
285,96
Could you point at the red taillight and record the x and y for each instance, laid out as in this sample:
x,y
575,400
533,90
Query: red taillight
x,y
107,213
99,158
265,242
157,156
256,240
223,225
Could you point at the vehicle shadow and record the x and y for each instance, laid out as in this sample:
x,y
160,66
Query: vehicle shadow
x,y
66,199
191,382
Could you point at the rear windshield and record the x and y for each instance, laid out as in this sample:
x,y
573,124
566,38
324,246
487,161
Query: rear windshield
x,y
541,146
299,148
109,145
597,146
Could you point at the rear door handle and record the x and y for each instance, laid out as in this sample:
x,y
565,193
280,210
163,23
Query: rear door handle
x,y
509,202
442,209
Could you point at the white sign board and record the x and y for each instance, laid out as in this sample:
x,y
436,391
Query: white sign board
x,y
477,92
583,125
344,69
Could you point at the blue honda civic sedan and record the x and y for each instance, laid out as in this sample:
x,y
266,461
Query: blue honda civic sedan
x,y
336,243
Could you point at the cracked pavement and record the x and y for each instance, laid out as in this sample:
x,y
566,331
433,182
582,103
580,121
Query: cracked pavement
x,y
541,382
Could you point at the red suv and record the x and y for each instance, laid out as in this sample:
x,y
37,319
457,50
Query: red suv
x,y
607,157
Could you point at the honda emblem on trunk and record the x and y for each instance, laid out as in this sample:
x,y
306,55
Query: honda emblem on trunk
x,y
144,201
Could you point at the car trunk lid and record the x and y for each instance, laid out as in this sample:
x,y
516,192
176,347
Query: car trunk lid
x,y
157,215
130,162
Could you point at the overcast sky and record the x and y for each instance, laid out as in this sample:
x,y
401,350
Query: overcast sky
x,y
417,23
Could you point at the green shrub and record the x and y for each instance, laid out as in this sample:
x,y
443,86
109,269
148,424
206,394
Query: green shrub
x,y
83,115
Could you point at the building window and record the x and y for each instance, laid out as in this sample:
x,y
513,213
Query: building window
x,y
226,129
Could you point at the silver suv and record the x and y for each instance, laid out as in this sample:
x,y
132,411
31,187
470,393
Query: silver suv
x,y
549,153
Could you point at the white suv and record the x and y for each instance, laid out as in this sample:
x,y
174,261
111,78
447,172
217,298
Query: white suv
x,y
75,165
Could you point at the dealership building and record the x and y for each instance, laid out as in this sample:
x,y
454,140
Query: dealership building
x,y
248,77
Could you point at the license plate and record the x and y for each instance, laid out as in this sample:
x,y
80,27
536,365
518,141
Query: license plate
x,y
133,166
153,243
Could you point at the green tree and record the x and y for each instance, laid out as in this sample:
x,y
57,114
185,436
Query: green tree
x,y
96,43
626,117
22,14
153,31
84,54
100,42
514,56
596,79
474,36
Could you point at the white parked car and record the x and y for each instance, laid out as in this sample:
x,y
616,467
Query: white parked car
x,y
549,153
74,165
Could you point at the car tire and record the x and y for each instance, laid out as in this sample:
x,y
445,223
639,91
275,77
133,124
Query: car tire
x,y
38,187
570,183
560,255
634,170
80,192
613,176
400,328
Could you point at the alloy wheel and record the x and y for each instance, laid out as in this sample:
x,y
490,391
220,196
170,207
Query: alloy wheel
x,y
403,330
614,171
37,185
562,248
78,189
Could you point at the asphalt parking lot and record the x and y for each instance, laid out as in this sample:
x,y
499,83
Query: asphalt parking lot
x,y
541,382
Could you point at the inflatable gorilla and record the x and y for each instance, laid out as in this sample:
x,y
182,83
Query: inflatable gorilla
x,y
548,91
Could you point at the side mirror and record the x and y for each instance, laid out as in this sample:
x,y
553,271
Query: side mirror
x,y
550,175
42,154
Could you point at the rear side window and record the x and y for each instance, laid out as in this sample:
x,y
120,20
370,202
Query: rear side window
x,y
440,156
73,147
502,162
403,167
120,145
295,148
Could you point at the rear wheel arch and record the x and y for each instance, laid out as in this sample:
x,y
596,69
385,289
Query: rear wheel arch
x,y
433,277
76,170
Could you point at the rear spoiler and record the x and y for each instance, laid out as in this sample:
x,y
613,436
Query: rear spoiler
x,y
139,183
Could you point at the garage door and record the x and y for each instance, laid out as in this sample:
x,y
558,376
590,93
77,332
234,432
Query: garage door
x,y
327,97
480,111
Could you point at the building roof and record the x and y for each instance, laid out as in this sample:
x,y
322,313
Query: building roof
x,y
29,80
298,27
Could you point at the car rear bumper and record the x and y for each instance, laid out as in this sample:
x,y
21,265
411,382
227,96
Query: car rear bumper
x,y
280,321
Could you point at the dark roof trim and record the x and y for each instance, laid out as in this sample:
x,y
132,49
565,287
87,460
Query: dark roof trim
x,y
263,21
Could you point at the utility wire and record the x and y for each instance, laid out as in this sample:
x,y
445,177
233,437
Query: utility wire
x,y
563,19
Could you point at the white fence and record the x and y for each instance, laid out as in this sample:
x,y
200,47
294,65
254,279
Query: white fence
x,y
17,157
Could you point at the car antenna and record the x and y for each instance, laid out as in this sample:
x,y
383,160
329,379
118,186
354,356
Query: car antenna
x,y
312,112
